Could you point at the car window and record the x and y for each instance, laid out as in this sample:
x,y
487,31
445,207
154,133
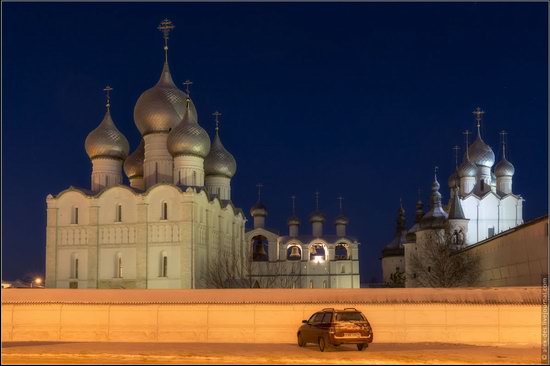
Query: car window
x,y
312,317
350,316
327,318
316,318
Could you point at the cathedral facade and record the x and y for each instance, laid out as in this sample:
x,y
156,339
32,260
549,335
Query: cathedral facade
x,y
175,221
175,216
481,205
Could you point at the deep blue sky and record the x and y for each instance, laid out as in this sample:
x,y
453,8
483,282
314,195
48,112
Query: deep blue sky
x,y
357,99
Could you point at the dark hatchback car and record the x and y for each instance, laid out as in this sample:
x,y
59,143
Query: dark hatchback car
x,y
331,327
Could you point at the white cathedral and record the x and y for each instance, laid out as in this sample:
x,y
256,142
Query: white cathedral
x,y
176,217
481,205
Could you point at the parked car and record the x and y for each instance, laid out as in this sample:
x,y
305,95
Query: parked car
x,y
332,327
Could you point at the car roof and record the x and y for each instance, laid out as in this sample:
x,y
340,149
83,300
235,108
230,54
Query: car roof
x,y
341,310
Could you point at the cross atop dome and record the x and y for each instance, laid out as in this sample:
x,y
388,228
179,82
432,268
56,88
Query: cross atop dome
x,y
107,90
478,115
165,27
217,115
187,84
259,185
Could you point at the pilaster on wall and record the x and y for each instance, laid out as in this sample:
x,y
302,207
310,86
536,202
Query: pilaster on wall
x,y
141,246
188,232
51,247
93,248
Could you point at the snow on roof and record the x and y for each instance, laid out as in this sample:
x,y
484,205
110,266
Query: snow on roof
x,y
489,295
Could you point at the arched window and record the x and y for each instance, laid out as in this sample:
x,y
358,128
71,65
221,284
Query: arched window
x,y
294,253
341,252
76,268
118,266
317,253
259,248
118,213
163,264
310,283
324,284
164,211
74,215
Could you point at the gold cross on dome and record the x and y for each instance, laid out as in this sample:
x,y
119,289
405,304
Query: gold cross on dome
x,y
456,148
107,91
259,185
165,27
217,119
187,83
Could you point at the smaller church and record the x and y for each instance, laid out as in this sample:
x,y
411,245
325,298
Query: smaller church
x,y
303,260
481,205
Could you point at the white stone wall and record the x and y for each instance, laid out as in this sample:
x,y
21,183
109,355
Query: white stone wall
x,y
491,212
194,229
518,258
478,324
390,265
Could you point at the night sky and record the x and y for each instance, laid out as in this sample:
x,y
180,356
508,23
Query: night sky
x,y
360,100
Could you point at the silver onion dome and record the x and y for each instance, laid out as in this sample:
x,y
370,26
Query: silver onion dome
x,y
161,107
316,216
504,168
188,137
481,154
219,161
259,209
133,165
341,220
293,220
467,169
106,141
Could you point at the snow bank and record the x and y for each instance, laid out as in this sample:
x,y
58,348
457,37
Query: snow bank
x,y
497,295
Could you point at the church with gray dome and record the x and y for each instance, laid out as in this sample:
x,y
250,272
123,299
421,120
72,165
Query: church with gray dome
x,y
175,222
165,228
481,205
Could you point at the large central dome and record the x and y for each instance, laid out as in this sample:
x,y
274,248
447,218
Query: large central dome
x,y
162,107
481,154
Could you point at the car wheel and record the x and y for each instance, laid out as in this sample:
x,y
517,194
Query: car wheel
x,y
322,344
362,346
301,341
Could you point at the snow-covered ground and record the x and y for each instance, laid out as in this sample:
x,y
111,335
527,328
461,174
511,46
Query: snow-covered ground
x,y
193,353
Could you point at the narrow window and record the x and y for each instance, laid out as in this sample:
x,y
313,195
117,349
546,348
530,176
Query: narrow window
x,y
324,284
164,266
74,215
491,231
164,211
429,269
219,192
179,177
118,217
76,268
194,178
310,283
118,269
106,180
482,182
156,172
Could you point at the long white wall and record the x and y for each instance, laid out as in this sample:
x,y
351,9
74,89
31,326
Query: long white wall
x,y
506,317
